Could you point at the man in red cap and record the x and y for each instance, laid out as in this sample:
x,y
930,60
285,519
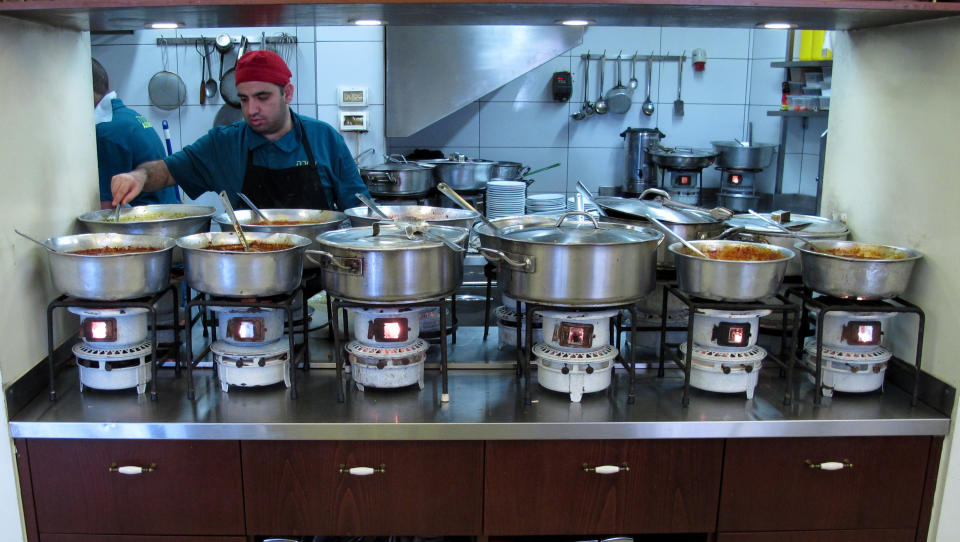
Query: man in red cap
x,y
276,157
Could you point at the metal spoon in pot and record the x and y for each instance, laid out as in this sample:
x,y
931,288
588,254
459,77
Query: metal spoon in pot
x,y
25,236
663,227
256,211
233,220
424,228
784,229
458,199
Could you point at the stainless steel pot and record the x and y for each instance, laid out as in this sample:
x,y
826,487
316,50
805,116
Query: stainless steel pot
x,y
464,173
315,222
151,220
488,236
242,274
438,216
733,155
578,264
682,158
381,265
110,277
729,280
398,179
509,170
809,227
881,278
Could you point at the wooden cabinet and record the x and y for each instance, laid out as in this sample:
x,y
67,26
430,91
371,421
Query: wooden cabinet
x,y
194,487
417,488
867,535
129,538
542,487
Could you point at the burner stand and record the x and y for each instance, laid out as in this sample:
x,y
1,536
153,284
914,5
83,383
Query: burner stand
x,y
339,306
284,302
823,305
150,303
695,304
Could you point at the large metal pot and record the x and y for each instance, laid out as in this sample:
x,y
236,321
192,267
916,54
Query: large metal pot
x,y
488,236
509,170
110,277
242,274
381,265
464,173
682,158
398,179
809,227
578,264
730,280
733,155
438,216
307,223
687,223
886,274
170,220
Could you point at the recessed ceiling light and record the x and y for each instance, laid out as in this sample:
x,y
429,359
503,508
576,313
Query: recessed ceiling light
x,y
576,22
367,22
165,26
777,25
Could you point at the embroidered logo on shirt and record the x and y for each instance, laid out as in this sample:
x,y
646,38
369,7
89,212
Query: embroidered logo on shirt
x,y
144,122
303,163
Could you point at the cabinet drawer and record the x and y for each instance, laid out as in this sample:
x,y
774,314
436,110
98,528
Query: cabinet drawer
x,y
767,484
426,488
867,535
541,488
194,489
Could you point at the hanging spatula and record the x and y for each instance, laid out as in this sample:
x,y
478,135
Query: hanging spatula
x,y
678,103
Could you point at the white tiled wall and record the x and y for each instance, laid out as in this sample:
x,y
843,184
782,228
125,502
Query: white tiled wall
x,y
521,122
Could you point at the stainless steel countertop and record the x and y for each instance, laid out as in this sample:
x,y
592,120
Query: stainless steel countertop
x,y
486,404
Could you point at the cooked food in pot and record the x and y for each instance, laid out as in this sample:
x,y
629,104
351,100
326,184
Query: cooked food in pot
x,y
736,252
865,252
111,251
253,246
282,222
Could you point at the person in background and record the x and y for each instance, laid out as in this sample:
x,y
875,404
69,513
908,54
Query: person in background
x,y
277,158
125,139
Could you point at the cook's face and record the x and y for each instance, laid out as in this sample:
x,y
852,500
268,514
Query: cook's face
x,y
264,105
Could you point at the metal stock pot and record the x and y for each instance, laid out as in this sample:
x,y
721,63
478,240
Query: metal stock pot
x,y
806,226
578,264
438,216
463,173
730,280
398,179
885,273
307,223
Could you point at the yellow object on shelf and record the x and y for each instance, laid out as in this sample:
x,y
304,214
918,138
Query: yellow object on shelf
x,y
811,45
806,45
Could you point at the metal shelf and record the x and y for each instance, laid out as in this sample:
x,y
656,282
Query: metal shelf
x,y
782,113
803,64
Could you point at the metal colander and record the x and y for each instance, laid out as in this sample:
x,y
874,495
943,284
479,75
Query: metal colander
x,y
167,90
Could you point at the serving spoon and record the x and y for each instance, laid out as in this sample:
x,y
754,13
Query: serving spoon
x,y
25,236
458,199
233,220
423,228
256,211
677,236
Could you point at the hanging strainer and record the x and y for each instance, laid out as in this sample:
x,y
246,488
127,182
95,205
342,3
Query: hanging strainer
x,y
167,90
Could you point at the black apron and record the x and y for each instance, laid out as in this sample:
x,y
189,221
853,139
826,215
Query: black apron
x,y
297,187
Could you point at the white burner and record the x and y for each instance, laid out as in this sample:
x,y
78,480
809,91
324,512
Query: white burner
x,y
388,326
576,373
845,370
250,326
249,366
112,328
507,330
387,366
725,371
576,331
853,330
727,330
114,368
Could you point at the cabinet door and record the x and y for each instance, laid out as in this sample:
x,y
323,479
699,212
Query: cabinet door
x,y
542,488
195,487
425,488
867,535
768,485
128,538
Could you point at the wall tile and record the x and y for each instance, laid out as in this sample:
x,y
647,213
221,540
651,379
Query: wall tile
x,y
306,34
358,142
130,69
305,71
770,44
809,169
535,85
349,33
616,38
603,131
349,64
595,167
791,173
811,138
552,180
139,37
702,124
766,129
718,42
765,83
309,110
523,124
723,81
195,121
461,128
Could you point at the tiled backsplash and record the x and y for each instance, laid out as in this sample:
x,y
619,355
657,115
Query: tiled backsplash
x,y
519,121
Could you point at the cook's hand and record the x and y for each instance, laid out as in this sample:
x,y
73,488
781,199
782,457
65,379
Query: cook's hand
x,y
126,186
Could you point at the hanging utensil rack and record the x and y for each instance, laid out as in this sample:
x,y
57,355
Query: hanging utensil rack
x,y
639,58
199,41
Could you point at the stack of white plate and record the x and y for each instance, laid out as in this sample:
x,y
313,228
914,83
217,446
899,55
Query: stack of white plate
x,y
505,198
546,204
587,206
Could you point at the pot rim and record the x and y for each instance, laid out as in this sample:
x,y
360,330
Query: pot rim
x,y
300,242
910,254
165,244
454,233
643,230
786,253
105,216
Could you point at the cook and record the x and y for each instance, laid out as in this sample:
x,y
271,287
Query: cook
x,y
279,159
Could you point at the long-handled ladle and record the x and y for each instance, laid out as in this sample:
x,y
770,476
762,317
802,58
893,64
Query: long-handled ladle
x,y
25,236
234,221
256,211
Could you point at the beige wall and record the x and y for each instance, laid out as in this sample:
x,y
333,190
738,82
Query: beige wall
x,y
891,166
48,166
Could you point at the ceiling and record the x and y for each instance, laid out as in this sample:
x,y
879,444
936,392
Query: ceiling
x,y
709,13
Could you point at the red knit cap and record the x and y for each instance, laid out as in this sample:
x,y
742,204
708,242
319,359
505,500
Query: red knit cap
x,y
265,66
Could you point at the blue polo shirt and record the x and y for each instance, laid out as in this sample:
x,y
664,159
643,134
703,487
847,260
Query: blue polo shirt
x,y
218,160
123,143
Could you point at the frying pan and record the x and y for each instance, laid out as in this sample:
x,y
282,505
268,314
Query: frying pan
x,y
228,85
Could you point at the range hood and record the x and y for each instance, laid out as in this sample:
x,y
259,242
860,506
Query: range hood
x,y
433,71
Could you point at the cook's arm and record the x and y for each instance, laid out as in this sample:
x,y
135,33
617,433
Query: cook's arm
x,y
148,177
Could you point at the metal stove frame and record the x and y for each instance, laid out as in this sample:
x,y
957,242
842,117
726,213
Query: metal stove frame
x,y
339,305
695,304
281,301
147,302
833,304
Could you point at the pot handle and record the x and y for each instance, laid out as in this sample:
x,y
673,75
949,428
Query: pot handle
x,y
655,192
381,177
730,232
327,259
564,216
526,265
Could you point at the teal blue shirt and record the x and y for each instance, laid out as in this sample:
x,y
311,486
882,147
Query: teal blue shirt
x,y
218,160
123,143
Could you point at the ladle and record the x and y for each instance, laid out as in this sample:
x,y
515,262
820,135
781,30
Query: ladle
x,y
677,236
458,199
256,211
587,108
233,220
633,84
409,227
25,236
647,106
116,214
784,229
601,105
210,87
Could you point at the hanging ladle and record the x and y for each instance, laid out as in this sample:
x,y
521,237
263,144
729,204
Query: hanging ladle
x,y
256,211
233,220
784,229
25,236
409,227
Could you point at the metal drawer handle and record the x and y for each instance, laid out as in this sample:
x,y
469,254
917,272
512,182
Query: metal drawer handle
x,y
606,469
830,465
132,469
361,471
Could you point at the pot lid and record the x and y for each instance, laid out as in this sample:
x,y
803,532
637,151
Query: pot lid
x,y
651,208
574,233
389,237
683,152
803,225
395,166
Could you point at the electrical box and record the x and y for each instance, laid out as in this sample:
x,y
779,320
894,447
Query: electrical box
x,y
352,96
353,121
561,84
